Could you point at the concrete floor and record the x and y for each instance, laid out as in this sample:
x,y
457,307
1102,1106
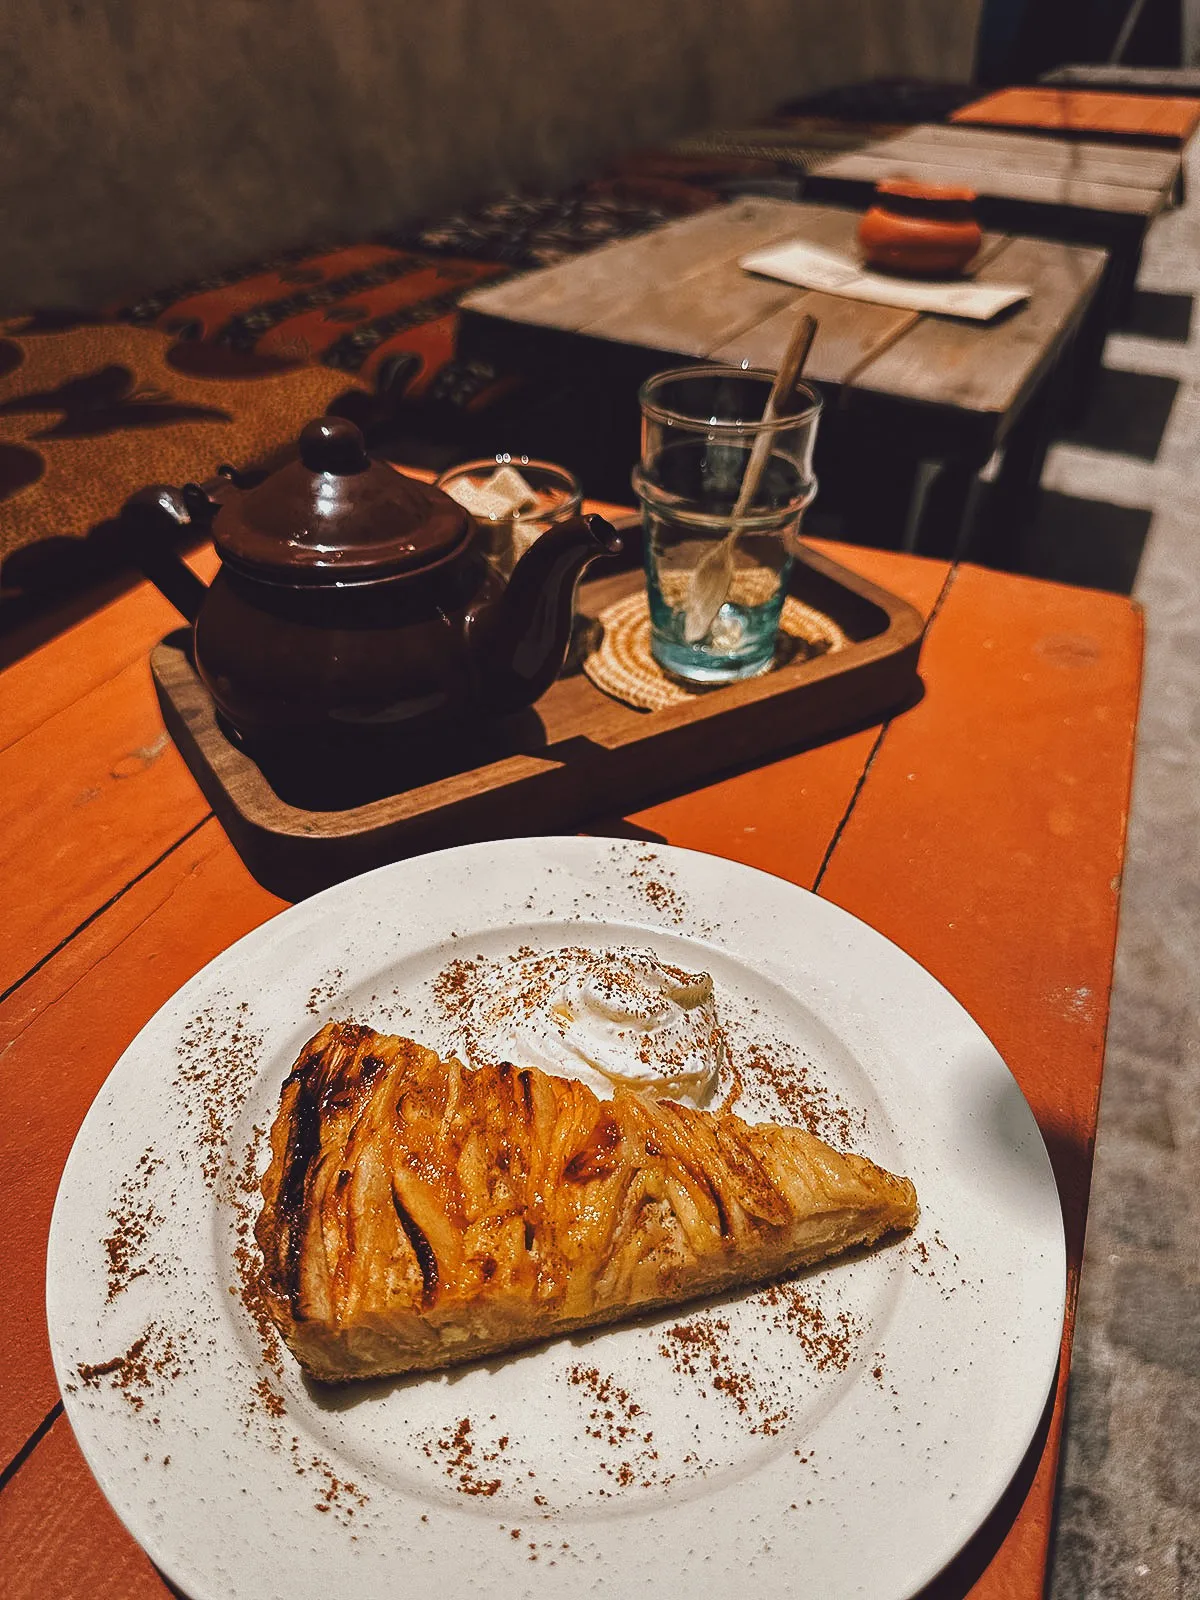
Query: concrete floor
x,y
1124,509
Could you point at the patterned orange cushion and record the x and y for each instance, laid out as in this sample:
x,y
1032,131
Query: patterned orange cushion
x,y
230,366
93,413
351,309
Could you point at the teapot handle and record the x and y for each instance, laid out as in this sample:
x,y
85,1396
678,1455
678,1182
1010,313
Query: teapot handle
x,y
151,521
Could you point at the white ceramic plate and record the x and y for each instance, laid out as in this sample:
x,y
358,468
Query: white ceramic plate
x,y
845,1457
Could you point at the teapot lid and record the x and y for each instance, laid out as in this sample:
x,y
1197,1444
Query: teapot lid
x,y
335,516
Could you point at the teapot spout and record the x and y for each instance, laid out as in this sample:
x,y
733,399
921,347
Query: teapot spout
x,y
519,641
151,522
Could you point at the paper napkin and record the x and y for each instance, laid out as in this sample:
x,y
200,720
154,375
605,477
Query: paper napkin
x,y
814,268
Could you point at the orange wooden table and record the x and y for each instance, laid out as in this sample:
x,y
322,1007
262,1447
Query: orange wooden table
x,y
982,830
1165,120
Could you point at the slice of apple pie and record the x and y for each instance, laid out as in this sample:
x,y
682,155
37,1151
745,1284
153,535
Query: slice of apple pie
x,y
418,1212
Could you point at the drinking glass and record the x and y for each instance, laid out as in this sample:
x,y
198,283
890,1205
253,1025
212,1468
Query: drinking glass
x,y
557,498
699,425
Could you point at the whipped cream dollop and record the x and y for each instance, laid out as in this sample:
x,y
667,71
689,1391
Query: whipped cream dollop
x,y
603,1016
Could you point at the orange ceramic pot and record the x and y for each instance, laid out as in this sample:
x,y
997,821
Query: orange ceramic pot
x,y
924,230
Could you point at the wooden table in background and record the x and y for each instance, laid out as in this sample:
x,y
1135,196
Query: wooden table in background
x,y
1160,121
1127,79
902,387
982,830
1055,188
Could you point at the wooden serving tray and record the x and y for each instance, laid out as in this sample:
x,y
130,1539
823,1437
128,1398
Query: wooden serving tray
x,y
576,754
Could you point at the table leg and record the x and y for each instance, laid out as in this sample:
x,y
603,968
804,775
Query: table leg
x,y
1110,308
998,533
877,469
1087,355
943,518
1126,259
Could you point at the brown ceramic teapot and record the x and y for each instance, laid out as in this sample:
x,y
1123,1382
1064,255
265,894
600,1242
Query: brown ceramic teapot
x,y
352,599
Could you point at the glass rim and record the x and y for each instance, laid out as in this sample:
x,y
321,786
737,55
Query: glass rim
x,y
661,413
566,480
503,459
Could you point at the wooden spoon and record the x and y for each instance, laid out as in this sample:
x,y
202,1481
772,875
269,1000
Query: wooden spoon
x,y
710,583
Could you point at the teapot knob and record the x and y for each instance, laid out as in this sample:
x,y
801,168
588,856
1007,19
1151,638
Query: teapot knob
x,y
333,444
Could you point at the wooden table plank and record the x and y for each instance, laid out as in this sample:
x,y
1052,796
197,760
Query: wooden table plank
x,y
1003,867
1083,111
717,311
958,388
1129,80
849,333
58,673
45,683
1092,194
579,291
87,801
61,1539
59,794
697,309
1154,170
948,362
979,861
689,317
865,169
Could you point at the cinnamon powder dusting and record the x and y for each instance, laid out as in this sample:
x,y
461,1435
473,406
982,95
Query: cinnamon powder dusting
x,y
829,1342
701,1349
942,1269
218,1059
141,1372
454,990
335,1495
803,1099
325,993
617,1421
243,1196
705,1349
649,877
135,1221
463,1459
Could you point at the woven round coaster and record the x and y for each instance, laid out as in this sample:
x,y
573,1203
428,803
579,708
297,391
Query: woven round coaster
x,y
621,664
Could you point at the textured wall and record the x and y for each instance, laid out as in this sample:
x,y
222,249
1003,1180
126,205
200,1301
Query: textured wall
x,y
145,141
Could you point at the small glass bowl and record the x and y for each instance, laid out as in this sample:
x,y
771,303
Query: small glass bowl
x,y
506,539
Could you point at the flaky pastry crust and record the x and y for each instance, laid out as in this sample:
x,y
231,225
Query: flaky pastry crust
x,y
418,1213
